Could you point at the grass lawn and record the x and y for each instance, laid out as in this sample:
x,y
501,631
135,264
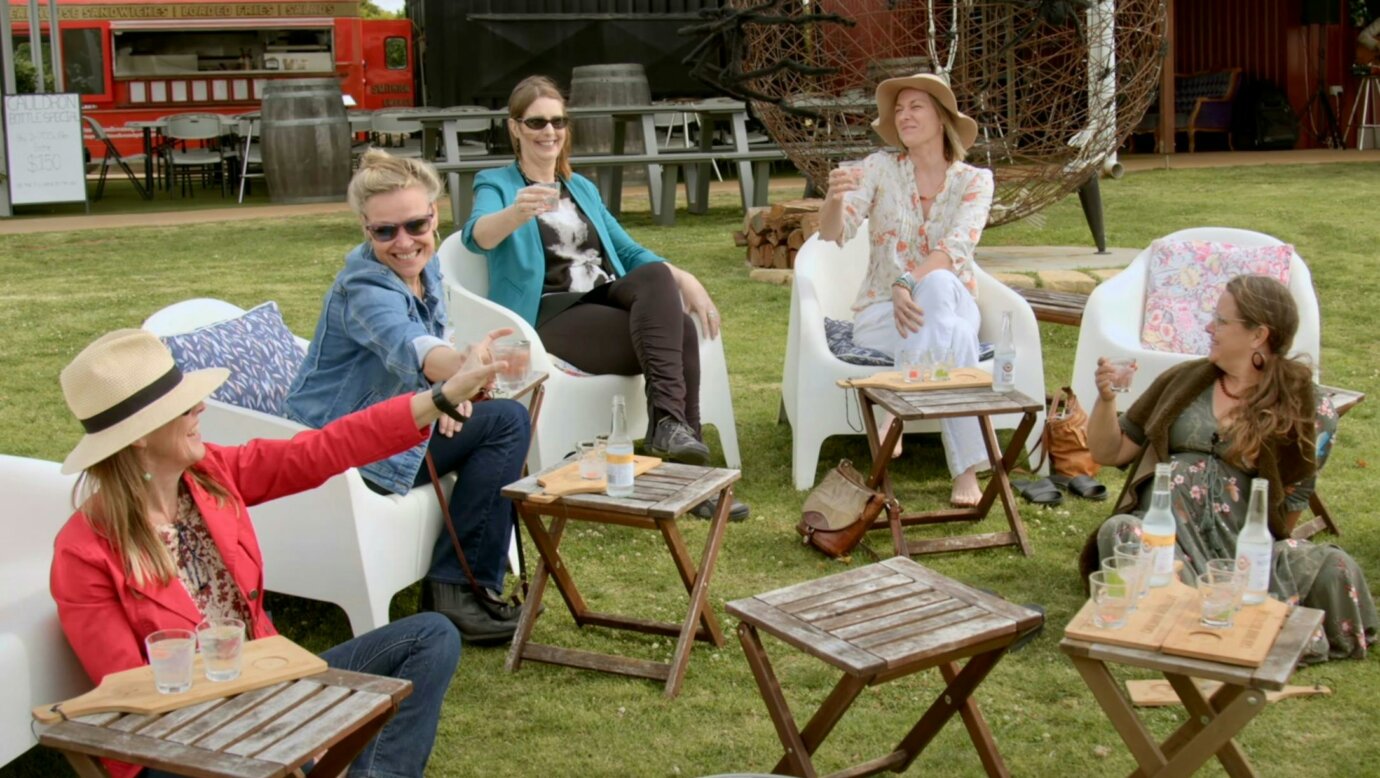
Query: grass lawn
x,y
60,291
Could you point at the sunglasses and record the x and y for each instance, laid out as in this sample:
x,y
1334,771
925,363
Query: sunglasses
x,y
415,227
540,122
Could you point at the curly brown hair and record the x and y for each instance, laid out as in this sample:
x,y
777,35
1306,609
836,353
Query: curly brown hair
x,y
1280,409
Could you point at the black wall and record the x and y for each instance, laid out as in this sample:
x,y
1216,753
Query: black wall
x,y
474,51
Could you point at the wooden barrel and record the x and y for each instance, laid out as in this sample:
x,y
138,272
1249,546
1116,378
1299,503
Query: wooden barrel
x,y
306,141
607,85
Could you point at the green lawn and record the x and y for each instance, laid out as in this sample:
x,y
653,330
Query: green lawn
x,y
60,291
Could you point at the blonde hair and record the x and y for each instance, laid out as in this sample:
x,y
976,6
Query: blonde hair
x,y
1280,408
528,91
380,173
953,144
114,496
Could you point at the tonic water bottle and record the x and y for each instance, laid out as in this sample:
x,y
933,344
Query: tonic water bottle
x,y
1254,544
1157,529
620,453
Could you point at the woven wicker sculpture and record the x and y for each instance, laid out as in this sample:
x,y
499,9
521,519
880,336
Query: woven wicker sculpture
x,y
1055,85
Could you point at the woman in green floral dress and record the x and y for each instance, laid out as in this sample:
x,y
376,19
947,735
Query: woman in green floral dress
x,y
1247,411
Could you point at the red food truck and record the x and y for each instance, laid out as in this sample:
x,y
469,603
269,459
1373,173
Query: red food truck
x,y
138,60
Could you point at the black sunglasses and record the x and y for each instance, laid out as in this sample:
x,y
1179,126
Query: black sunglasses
x,y
415,227
540,122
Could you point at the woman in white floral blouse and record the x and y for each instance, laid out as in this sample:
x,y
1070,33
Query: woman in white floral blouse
x,y
925,209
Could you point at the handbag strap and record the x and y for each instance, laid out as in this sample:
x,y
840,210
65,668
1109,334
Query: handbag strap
x,y
455,538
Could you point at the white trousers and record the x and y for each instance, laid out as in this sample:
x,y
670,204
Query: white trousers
x,y
951,322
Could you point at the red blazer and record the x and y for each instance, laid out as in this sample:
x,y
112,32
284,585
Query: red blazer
x,y
106,615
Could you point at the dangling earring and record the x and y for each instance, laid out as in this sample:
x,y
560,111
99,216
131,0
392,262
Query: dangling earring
x,y
1257,360
148,476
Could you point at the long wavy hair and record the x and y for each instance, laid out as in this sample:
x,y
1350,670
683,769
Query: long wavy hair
x,y
528,91
114,496
1280,408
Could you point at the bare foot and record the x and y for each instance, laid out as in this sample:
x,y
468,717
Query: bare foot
x,y
966,492
884,424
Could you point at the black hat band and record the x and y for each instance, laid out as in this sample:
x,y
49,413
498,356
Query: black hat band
x,y
134,403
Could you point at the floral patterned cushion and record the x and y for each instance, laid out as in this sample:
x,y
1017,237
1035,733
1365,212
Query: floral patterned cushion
x,y
259,349
1186,278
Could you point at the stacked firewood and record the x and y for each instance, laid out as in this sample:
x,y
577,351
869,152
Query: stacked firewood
x,y
772,234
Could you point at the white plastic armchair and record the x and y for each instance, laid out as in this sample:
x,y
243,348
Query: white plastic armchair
x,y
341,542
37,666
826,282
576,407
1115,312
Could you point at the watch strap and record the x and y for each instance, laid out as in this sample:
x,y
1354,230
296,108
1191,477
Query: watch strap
x,y
444,405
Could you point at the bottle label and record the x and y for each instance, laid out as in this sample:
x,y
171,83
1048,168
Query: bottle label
x,y
1161,553
1004,370
620,474
619,459
1256,561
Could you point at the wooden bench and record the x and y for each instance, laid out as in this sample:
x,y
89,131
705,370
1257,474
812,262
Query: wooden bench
x,y
1343,400
663,167
876,624
1055,307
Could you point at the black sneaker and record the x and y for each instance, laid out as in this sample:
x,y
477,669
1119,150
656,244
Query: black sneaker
x,y
674,441
736,512
476,620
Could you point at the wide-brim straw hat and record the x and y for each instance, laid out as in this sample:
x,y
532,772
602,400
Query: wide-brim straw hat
x,y
124,386
938,88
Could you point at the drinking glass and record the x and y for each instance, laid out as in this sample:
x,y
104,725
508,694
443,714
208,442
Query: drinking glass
x,y
170,655
1217,597
1230,568
912,364
854,168
552,195
222,647
943,362
1130,571
1134,549
1111,599
593,460
517,353
1125,369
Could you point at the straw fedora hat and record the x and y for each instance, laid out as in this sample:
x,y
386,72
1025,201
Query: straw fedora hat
x,y
938,88
124,386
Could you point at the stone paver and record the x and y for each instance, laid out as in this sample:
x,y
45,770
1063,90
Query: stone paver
x,y
1067,281
1015,280
1105,273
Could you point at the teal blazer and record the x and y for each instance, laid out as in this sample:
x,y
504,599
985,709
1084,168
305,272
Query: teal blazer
x,y
517,265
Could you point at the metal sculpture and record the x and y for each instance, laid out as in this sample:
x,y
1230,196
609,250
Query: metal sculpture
x,y
1056,86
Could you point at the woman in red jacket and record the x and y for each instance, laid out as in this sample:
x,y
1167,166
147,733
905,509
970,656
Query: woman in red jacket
x,y
161,538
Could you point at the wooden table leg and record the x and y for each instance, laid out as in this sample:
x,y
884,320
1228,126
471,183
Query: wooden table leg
x,y
699,594
337,760
531,609
83,765
1124,720
830,711
688,574
1216,736
1000,482
953,698
978,731
797,756
878,477
1202,712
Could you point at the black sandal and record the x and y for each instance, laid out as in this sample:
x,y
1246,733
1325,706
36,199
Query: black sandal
x,y
1084,486
1041,492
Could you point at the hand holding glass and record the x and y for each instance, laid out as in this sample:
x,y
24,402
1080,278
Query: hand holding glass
x,y
552,192
516,353
170,655
1124,370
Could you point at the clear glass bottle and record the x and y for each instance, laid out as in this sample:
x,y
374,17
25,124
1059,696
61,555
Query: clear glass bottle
x,y
620,453
1004,360
1254,544
1157,529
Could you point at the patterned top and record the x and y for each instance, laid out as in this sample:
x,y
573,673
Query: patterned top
x,y
901,238
200,566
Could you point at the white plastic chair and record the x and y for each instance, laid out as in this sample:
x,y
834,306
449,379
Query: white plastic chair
x,y
395,125
576,407
341,542
1115,311
826,282
205,128
37,666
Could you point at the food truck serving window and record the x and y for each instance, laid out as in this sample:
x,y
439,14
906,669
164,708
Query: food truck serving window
x,y
166,52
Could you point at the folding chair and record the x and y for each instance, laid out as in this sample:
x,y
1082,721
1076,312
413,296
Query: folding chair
x,y
98,132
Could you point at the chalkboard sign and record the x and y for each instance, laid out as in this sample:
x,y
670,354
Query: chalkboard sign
x,y
43,136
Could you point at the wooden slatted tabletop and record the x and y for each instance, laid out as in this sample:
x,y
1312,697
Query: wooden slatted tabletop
x,y
1055,307
666,492
949,403
265,733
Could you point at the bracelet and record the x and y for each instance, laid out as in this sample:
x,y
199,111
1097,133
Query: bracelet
x,y
444,405
906,280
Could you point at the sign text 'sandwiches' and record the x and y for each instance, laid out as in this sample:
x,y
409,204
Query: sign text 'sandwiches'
x,y
131,11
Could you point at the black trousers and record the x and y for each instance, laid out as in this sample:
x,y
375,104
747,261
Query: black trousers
x,y
634,325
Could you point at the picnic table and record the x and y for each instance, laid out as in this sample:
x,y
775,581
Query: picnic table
x,y
710,112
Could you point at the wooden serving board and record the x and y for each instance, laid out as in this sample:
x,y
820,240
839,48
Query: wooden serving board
x,y
1245,643
1159,694
1147,626
566,480
266,661
962,378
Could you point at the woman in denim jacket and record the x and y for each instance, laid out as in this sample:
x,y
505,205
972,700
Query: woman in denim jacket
x,y
382,332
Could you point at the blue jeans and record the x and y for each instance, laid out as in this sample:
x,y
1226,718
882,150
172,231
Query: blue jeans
x,y
423,649
486,455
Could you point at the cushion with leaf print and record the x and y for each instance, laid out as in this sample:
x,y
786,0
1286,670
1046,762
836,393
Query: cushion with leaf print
x,y
257,347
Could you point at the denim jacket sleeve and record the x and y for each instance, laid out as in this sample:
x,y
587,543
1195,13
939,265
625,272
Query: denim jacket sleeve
x,y
381,319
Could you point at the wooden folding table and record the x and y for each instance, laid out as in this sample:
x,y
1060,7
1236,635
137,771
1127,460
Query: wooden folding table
x,y
981,403
659,498
878,623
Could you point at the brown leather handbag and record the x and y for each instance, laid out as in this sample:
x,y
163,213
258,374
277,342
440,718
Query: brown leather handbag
x,y
839,511
1065,439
